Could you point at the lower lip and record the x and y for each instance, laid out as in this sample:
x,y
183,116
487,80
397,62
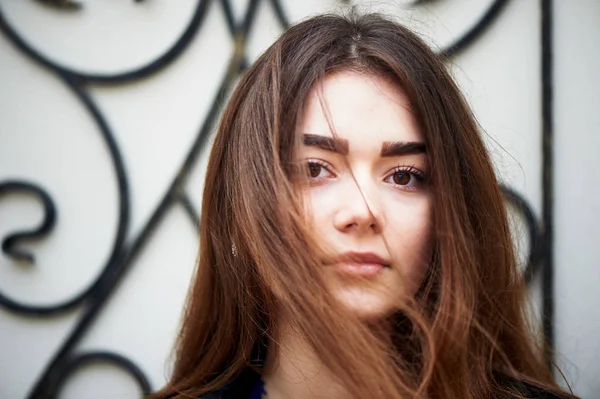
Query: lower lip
x,y
360,269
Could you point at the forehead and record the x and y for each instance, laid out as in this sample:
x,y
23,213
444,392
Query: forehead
x,y
361,108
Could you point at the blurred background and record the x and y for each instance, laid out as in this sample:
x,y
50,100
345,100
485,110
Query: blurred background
x,y
107,113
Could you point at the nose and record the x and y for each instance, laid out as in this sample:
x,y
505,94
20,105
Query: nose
x,y
356,213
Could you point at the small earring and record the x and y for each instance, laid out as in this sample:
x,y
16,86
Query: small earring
x,y
234,251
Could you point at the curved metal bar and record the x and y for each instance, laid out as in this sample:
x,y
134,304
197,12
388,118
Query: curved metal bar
x,y
9,244
124,210
534,231
67,5
188,206
229,17
239,31
64,5
152,67
114,359
476,31
280,14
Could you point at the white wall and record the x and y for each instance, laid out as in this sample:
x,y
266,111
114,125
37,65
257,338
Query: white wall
x,y
47,137
577,193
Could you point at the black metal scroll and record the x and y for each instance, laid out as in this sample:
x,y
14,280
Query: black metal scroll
x,y
93,298
10,243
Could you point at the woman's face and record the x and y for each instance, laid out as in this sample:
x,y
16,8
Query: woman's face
x,y
369,202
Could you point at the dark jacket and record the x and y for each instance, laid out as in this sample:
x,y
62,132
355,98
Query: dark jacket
x,y
242,386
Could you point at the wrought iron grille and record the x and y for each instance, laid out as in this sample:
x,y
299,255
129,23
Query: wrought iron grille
x,y
94,297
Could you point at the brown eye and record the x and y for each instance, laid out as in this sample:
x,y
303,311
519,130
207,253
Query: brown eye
x,y
401,178
314,169
406,178
317,171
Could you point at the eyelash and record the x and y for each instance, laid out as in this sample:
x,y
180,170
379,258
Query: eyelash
x,y
415,173
321,163
410,169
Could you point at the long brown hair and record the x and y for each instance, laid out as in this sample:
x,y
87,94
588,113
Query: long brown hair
x,y
468,331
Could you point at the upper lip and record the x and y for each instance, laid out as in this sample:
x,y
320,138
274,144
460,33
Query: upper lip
x,y
364,258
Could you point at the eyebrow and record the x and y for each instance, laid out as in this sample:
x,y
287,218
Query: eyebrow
x,y
398,148
333,144
340,146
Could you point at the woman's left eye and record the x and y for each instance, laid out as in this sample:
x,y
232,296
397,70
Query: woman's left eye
x,y
406,178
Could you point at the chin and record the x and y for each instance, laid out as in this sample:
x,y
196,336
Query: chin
x,y
365,304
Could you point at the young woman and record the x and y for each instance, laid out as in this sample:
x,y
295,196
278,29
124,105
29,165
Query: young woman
x,y
354,240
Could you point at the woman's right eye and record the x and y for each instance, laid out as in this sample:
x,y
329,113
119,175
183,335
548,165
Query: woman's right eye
x,y
318,170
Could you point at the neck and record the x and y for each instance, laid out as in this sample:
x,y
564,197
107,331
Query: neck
x,y
294,371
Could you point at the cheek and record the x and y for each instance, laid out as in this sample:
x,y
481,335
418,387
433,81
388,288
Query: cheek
x,y
410,235
319,203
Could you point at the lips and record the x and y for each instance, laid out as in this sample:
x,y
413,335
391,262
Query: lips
x,y
361,263
364,258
